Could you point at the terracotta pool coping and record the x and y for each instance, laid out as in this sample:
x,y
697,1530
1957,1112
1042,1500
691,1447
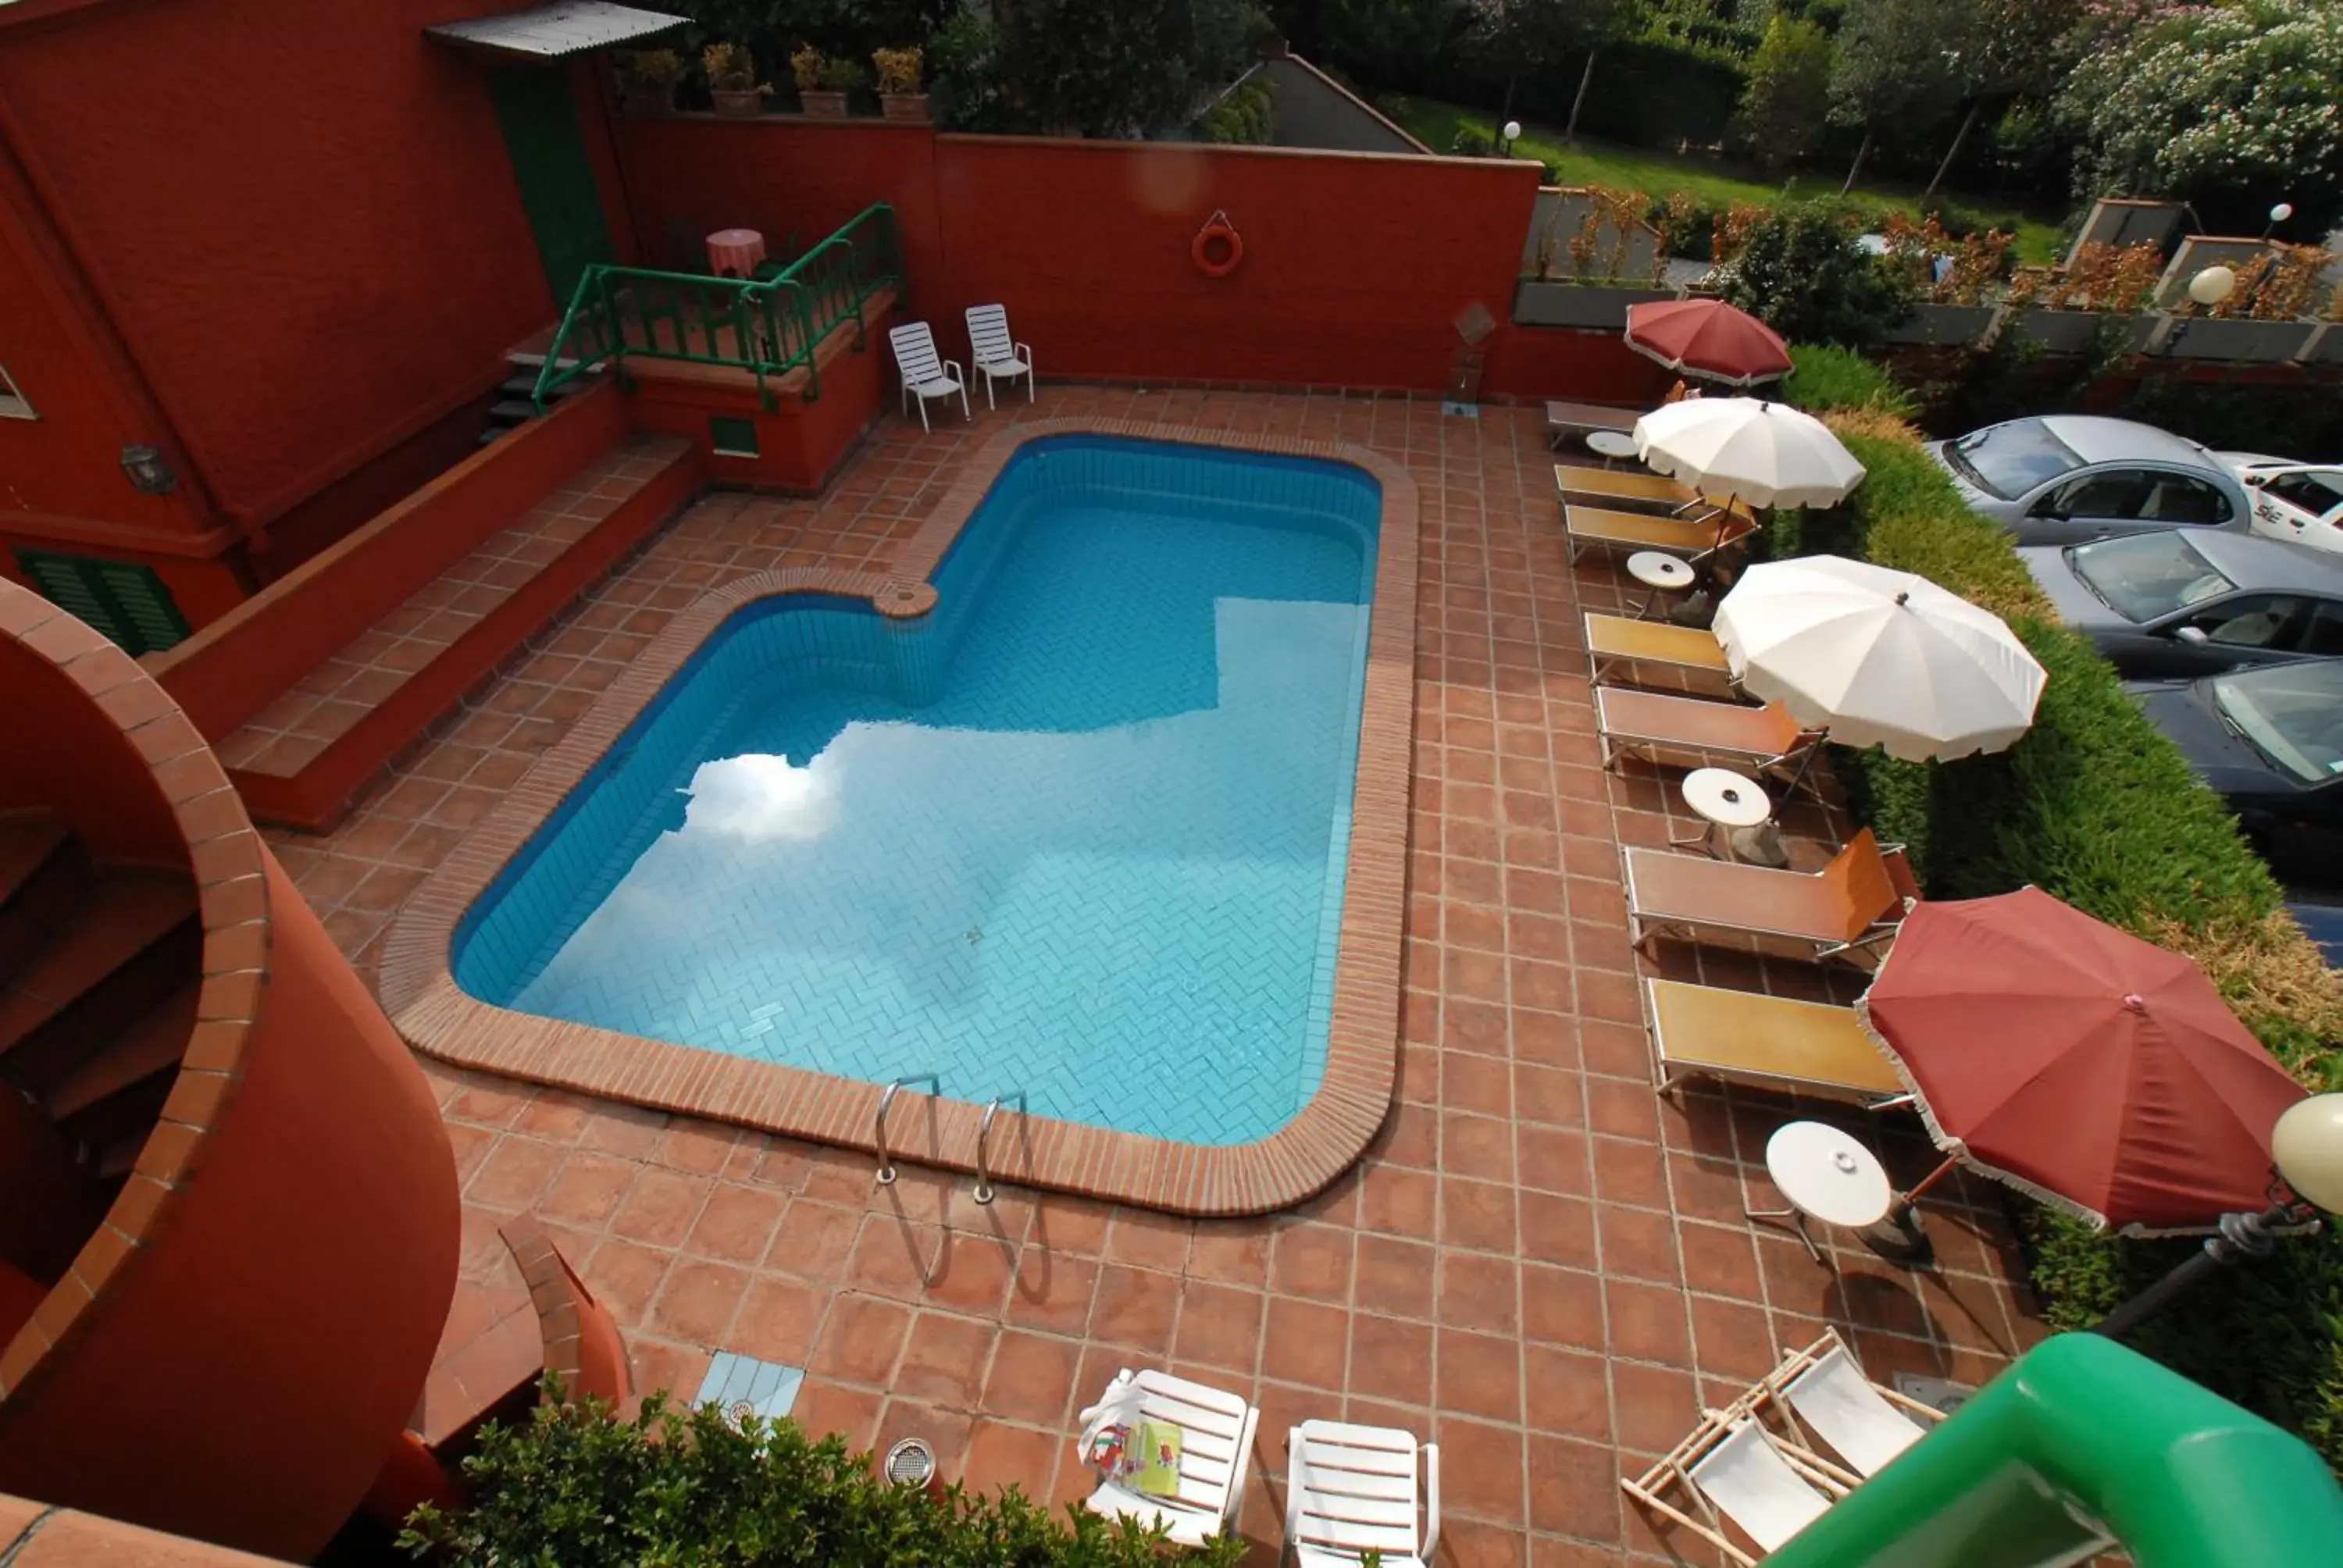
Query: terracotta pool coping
x,y
1323,1139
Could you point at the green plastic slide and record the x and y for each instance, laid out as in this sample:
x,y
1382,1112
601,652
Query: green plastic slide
x,y
2080,1440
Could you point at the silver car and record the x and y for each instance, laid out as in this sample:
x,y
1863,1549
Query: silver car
x,y
2069,478
2176,603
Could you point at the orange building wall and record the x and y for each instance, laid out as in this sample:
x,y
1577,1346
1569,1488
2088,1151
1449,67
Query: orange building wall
x,y
247,1377
306,229
69,755
1353,268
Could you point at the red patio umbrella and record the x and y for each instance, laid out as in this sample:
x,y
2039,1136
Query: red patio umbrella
x,y
1707,338
2093,1070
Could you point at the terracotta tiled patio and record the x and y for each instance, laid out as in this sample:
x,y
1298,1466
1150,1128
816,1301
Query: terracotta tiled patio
x,y
1541,1263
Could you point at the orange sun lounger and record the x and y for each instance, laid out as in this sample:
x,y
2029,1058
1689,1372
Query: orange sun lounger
x,y
1849,911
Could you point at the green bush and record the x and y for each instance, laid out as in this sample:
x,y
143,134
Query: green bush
x,y
1247,114
1801,273
2098,806
577,1487
1829,378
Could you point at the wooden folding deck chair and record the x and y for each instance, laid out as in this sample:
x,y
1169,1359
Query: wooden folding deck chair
x,y
1764,1041
1695,535
1849,911
1652,652
1731,1468
1685,733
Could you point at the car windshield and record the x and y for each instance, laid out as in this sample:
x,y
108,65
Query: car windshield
x,y
2290,713
2012,459
2145,576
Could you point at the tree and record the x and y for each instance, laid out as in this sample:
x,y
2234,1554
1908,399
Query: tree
x,y
1093,67
2231,108
1802,274
1522,36
1782,108
1893,67
2013,48
1390,43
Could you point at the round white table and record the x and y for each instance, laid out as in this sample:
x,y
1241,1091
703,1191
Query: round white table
x,y
1826,1175
1610,445
1661,574
1737,812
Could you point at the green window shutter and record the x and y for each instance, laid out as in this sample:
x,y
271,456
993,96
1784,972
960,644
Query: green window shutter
x,y
129,603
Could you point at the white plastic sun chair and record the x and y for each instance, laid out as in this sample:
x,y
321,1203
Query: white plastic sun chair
x,y
1216,1432
923,372
1352,1490
996,355
1865,1425
1731,1469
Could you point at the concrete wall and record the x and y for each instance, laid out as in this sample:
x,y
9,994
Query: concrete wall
x,y
1313,110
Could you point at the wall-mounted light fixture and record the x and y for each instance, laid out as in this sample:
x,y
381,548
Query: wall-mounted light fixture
x,y
149,475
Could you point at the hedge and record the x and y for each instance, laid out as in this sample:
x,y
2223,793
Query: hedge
x,y
575,1485
2098,806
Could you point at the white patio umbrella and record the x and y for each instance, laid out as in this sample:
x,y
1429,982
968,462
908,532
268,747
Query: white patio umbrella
x,y
1878,657
1768,454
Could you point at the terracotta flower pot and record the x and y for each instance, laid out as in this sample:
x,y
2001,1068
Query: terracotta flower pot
x,y
910,107
738,102
644,100
822,104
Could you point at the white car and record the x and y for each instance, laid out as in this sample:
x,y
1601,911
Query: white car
x,y
2302,502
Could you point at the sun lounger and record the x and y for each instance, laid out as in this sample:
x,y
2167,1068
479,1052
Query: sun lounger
x,y
1849,911
1352,1490
1729,1469
1766,1042
1563,419
1651,652
1694,537
1632,490
1685,733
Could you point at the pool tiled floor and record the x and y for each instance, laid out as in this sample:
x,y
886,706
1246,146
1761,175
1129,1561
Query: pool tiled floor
x,y
1540,1263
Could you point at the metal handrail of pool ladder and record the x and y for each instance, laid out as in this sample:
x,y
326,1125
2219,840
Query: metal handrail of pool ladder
x,y
983,1132
878,1128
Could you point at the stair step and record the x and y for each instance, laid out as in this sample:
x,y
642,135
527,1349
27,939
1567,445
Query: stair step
x,y
132,940
43,872
116,1159
151,1045
515,409
493,433
523,385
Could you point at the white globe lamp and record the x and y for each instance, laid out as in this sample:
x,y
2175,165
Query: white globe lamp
x,y
2306,1147
2283,211
2212,286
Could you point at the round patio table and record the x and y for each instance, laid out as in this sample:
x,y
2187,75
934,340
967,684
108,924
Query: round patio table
x,y
1610,445
1662,574
1826,1175
735,252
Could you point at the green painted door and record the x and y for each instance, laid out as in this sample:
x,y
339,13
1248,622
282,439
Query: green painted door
x,y
557,180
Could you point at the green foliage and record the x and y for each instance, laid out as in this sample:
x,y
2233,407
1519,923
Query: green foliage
x,y
1894,68
1781,116
1089,67
2096,806
1829,378
2227,106
1801,273
577,1488
1248,114
1516,37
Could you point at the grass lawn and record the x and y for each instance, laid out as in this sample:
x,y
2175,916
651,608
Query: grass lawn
x,y
1659,174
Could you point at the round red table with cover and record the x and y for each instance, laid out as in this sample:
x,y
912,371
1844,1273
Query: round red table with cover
x,y
1707,338
735,252
2093,1070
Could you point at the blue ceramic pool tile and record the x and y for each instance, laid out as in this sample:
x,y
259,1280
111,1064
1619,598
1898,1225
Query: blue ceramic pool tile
x,y
1076,841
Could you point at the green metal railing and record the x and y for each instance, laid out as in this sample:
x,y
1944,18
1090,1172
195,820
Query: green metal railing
x,y
767,326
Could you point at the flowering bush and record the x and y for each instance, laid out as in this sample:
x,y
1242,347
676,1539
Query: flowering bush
x,y
2232,107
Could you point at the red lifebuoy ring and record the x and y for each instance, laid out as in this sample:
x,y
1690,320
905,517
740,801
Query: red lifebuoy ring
x,y
1217,231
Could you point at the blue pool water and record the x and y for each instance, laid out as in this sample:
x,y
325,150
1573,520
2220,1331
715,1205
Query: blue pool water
x,y
1078,837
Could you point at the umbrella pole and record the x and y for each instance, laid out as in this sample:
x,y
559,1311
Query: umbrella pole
x,y
1899,1238
2241,1235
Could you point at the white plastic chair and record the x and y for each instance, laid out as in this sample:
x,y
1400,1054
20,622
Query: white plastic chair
x,y
1865,1424
923,372
992,351
1352,1490
1216,1432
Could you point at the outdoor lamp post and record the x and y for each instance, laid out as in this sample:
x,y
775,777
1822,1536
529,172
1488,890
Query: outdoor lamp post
x,y
2279,215
2307,1154
1511,131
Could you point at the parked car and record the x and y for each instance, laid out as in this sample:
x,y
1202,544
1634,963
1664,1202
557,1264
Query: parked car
x,y
2185,603
2302,502
2068,479
2270,742
2320,915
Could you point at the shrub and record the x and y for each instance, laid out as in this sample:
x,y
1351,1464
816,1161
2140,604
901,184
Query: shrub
x,y
899,69
2096,806
1800,271
1247,113
576,1486
1827,377
1470,144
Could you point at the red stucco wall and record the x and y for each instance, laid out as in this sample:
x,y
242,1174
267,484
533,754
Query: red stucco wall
x,y
245,1379
1353,265
309,234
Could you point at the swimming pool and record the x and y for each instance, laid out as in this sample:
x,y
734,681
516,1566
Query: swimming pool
x,y
1077,839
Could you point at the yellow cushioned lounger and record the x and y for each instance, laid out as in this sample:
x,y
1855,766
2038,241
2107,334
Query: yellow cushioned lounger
x,y
1771,1041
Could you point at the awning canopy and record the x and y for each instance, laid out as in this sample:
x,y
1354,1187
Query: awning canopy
x,y
553,32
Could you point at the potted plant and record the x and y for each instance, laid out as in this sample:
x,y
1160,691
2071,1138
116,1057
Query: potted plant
x,y
648,79
837,77
732,82
899,97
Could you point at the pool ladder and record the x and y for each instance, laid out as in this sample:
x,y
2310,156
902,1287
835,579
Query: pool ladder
x,y
984,1190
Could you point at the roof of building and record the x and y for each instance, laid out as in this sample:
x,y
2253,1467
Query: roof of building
x,y
555,31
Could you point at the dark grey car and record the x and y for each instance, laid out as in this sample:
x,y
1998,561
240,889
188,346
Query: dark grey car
x,y
2068,479
2179,603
